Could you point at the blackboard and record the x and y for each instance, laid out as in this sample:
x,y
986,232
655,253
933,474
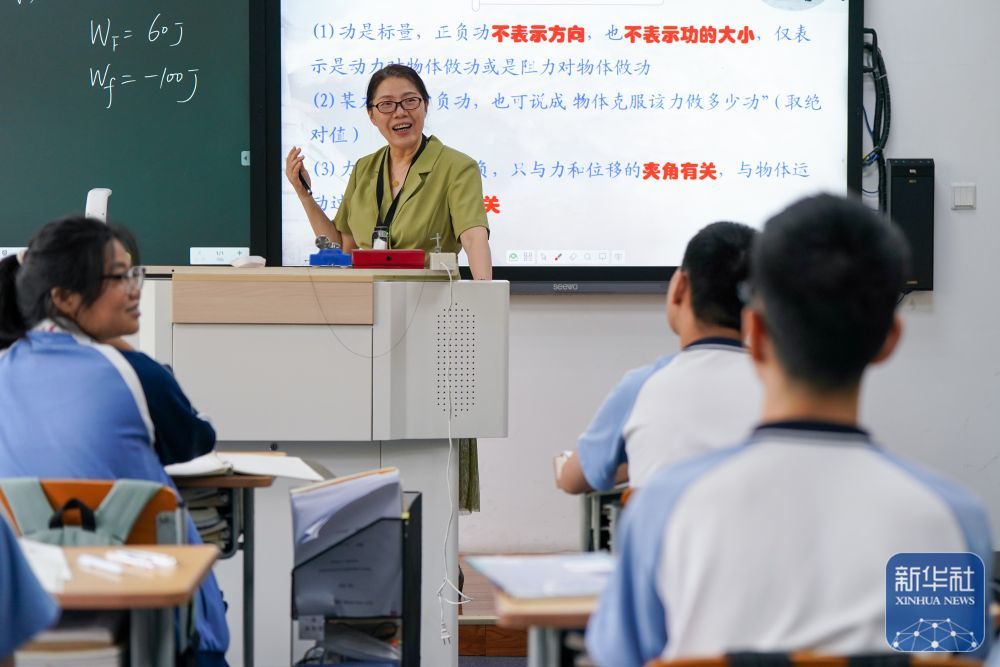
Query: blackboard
x,y
149,99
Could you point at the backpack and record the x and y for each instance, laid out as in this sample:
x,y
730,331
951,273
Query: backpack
x,y
109,524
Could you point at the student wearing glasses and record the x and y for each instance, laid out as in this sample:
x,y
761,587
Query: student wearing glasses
x,y
75,406
412,192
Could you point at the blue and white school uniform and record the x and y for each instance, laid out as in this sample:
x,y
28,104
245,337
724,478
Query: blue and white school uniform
x,y
25,608
71,408
705,397
779,544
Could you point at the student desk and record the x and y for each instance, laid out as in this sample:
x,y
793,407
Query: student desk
x,y
545,620
241,488
150,597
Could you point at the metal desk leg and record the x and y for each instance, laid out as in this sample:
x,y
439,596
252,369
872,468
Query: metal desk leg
x,y
544,647
151,637
248,546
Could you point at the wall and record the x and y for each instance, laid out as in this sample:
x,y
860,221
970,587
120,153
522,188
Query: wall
x,y
936,400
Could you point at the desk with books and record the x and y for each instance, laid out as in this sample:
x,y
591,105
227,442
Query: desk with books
x,y
240,491
150,597
552,596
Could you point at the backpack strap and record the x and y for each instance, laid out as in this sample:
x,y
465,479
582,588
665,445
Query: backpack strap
x,y
87,520
28,503
123,505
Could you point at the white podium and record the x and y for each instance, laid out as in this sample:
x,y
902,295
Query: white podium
x,y
355,369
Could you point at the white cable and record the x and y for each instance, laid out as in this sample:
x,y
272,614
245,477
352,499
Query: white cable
x,y
446,582
330,325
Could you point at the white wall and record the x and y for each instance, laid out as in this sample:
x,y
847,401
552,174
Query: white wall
x,y
937,401
565,355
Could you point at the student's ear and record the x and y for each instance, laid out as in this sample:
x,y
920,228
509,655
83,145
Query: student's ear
x,y
679,288
754,334
891,340
65,301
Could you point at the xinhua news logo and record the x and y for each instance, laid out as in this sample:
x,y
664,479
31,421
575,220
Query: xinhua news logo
x,y
935,602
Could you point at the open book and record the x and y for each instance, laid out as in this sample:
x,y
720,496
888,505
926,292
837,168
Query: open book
x,y
222,463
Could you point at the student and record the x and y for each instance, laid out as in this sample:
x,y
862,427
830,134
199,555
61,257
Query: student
x,y
781,543
25,608
702,398
73,406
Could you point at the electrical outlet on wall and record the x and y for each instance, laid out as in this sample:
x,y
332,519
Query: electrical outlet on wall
x,y
963,196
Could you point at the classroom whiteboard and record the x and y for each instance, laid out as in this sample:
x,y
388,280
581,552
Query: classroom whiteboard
x,y
607,133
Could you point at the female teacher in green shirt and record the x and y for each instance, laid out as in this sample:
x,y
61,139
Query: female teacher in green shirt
x,y
415,190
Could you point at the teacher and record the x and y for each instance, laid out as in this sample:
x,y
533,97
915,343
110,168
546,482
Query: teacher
x,y
413,193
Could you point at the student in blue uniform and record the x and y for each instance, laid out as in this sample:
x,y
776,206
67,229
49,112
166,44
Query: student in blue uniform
x,y
781,543
702,398
71,405
25,609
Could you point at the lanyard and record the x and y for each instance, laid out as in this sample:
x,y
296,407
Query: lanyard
x,y
383,225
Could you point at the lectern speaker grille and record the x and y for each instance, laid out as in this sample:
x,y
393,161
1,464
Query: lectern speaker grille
x,y
456,358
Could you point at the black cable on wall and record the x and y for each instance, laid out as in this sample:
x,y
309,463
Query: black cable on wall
x,y
878,127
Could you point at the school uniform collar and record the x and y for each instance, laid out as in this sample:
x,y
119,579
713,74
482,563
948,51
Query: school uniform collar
x,y
65,326
59,325
716,341
811,429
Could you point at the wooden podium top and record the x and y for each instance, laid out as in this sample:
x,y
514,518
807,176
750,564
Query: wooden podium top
x,y
280,295
135,588
294,274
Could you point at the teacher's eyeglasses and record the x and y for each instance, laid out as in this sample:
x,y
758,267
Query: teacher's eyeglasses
x,y
130,280
389,106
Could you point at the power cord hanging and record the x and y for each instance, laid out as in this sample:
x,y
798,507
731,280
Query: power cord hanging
x,y
446,583
878,127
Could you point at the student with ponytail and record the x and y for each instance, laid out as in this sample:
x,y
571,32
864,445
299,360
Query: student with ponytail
x,y
76,402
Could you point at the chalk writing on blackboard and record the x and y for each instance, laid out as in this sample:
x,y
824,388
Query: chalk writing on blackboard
x,y
180,84
183,81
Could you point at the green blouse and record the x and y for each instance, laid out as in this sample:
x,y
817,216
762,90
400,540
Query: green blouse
x,y
443,194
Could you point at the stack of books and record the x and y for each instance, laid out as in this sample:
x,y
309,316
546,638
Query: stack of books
x,y
81,639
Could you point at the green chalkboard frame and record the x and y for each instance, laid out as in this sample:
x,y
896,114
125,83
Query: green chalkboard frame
x,y
81,108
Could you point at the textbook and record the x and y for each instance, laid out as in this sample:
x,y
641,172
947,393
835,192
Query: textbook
x,y
348,549
325,513
223,463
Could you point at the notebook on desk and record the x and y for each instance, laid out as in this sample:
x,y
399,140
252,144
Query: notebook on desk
x,y
577,575
223,463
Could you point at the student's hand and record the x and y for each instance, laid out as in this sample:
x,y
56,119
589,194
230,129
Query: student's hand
x,y
569,476
296,172
558,462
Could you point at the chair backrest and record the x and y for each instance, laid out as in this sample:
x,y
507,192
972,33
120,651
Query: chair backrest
x,y
812,660
92,492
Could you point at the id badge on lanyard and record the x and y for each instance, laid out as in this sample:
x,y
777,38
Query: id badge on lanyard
x,y
380,235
